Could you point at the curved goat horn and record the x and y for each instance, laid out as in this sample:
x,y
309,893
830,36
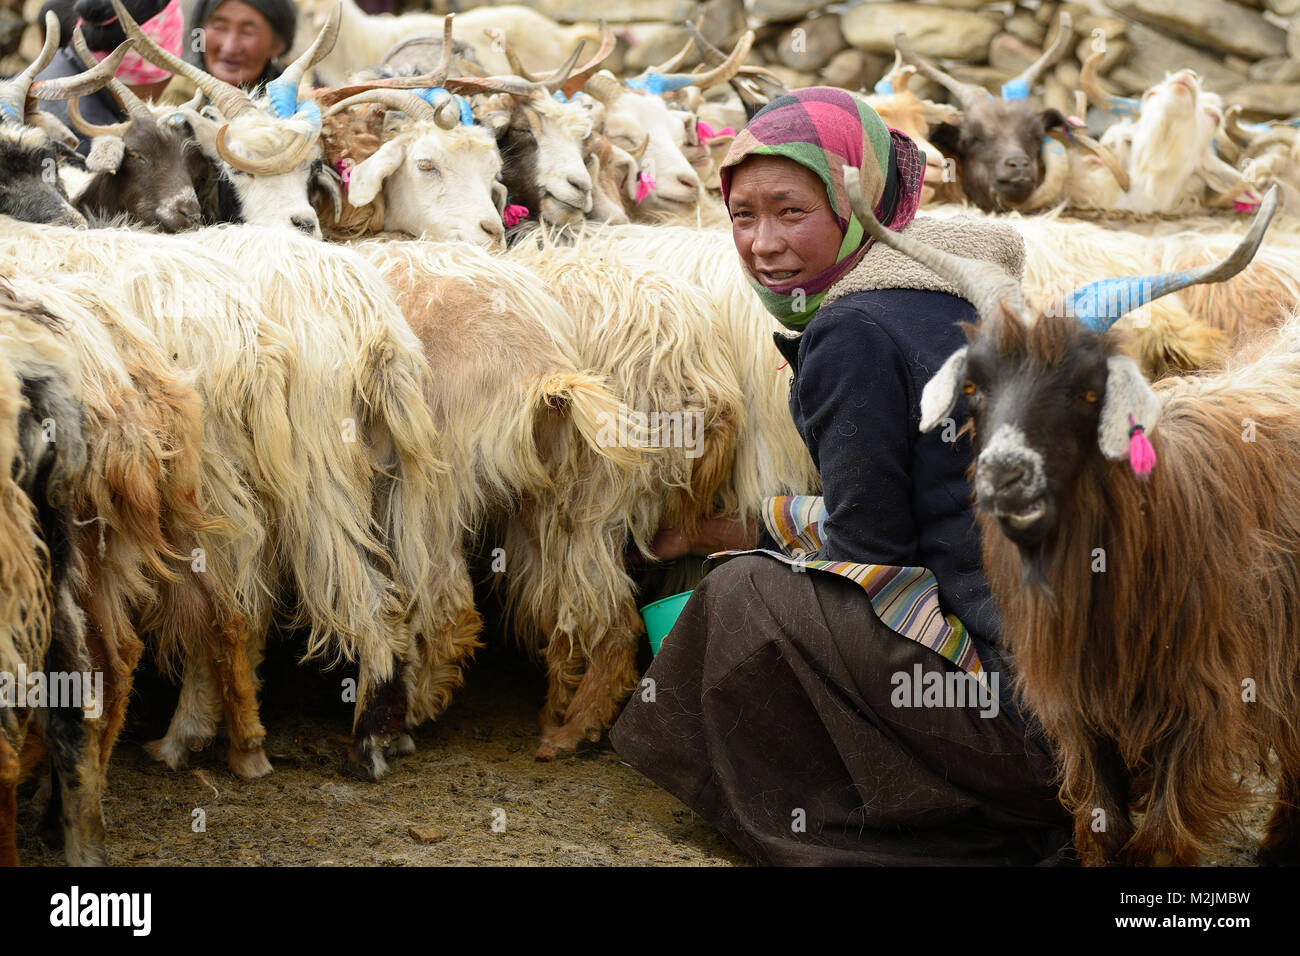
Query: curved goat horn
x,y
1029,76
968,94
675,61
86,128
404,100
1097,94
1099,304
229,99
134,105
66,87
640,150
721,73
1101,151
981,283
579,78
447,113
604,87
1232,126
13,92
265,167
283,90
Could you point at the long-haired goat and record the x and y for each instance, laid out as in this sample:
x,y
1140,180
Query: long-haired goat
x,y
639,325
345,466
149,538
525,428
365,39
1152,614
30,153
42,630
1166,146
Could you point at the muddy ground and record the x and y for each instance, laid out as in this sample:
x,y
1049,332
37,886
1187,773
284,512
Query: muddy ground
x,y
590,809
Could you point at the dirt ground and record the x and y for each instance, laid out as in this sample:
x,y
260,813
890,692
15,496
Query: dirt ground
x,y
471,769
590,809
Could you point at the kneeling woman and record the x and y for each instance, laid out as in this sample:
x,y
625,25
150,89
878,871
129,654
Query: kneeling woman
x,y
850,706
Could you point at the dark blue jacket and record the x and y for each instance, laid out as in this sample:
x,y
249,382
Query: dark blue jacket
x,y
99,107
893,495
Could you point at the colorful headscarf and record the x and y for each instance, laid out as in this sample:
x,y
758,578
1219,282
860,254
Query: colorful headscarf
x,y
823,129
164,28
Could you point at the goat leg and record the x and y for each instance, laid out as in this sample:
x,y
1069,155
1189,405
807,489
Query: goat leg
x,y
609,678
8,803
1102,823
194,722
73,741
1281,844
1184,796
380,716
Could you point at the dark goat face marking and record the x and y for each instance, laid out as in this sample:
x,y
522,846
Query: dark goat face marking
x,y
30,189
155,181
1035,398
998,142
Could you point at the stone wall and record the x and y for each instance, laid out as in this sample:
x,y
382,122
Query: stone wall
x,y
1249,51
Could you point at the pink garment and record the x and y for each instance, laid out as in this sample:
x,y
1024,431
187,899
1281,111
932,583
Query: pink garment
x,y
165,29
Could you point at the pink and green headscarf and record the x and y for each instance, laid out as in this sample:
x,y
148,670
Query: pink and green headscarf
x,y
824,129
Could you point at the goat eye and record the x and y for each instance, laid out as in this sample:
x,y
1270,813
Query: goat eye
x,y
133,155
424,165
970,388
1090,397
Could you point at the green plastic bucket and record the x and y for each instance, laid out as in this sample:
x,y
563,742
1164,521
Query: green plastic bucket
x,y
661,616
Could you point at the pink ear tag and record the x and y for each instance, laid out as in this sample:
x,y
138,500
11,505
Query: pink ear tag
x,y
644,184
344,168
513,215
1141,456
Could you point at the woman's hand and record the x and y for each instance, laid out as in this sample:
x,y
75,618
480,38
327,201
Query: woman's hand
x,y
714,534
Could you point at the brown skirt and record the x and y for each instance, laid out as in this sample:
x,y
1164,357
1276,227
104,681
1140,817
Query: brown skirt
x,y
771,711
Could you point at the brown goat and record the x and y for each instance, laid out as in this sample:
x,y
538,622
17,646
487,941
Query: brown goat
x,y
1153,623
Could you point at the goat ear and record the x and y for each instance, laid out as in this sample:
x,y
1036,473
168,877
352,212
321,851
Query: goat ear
x,y
105,154
939,396
947,136
1127,395
1052,119
367,177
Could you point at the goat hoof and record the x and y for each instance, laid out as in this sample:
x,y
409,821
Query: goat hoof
x,y
248,764
559,741
366,757
168,752
401,746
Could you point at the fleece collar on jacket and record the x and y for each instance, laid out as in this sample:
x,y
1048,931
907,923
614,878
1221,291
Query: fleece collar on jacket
x,y
883,268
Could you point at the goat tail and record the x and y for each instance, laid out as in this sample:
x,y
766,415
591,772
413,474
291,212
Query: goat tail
x,y
599,417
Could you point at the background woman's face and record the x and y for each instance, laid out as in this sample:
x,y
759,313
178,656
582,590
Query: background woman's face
x,y
238,42
782,221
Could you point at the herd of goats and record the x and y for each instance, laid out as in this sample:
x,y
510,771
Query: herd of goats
x,y
212,420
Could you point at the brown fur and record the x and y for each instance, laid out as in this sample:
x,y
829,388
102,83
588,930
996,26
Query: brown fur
x,y
1138,672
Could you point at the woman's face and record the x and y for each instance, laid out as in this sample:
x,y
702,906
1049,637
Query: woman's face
x,y
782,221
239,42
